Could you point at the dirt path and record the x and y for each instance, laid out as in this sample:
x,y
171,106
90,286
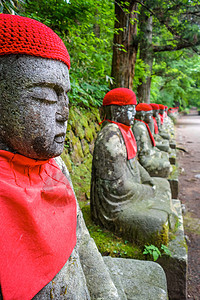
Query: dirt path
x,y
188,137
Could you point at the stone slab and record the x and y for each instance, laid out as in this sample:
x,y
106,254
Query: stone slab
x,y
175,266
136,279
173,181
172,156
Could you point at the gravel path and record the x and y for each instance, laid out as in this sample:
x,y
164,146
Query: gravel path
x,y
188,138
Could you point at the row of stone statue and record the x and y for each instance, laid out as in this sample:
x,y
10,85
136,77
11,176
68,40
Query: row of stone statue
x,y
130,194
46,251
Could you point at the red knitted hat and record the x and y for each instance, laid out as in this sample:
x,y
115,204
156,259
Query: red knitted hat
x,y
21,35
161,106
154,106
143,107
166,106
120,96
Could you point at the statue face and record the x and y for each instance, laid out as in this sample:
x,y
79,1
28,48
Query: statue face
x,y
148,116
34,106
161,111
124,114
155,112
140,115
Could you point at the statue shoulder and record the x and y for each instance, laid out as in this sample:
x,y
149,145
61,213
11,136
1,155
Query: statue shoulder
x,y
109,153
110,141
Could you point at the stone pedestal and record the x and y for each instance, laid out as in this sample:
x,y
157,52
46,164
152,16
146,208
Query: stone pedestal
x,y
173,181
136,279
175,267
172,156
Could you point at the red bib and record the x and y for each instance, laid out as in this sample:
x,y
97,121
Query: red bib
x,y
129,139
37,221
149,131
155,125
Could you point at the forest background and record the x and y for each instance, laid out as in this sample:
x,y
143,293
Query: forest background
x,y
149,46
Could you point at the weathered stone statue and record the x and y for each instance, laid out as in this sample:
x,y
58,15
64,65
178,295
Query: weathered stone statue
x,y
46,251
124,198
151,158
164,129
168,123
173,113
161,143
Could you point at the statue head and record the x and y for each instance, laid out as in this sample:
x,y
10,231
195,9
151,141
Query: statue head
x,y
34,81
119,106
144,110
161,109
155,109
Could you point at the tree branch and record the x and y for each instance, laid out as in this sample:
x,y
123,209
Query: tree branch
x,y
179,46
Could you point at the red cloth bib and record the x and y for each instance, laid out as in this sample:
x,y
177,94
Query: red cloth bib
x,y
161,119
128,137
150,134
37,221
155,125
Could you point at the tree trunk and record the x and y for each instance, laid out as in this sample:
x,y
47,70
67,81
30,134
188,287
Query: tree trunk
x,y
146,54
123,62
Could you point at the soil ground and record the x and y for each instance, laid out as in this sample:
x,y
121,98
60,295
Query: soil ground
x,y
188,138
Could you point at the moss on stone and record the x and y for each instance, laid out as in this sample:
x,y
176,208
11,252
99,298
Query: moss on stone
x,y
85,147
66,159
89,134
81,177
161,237
108,243
80,132
77,154
183,244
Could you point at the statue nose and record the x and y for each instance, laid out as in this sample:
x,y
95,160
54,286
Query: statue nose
x,y
62,114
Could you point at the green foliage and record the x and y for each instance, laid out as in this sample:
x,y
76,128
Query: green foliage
x,y
155,253
11,6
175,79
152,250
86,27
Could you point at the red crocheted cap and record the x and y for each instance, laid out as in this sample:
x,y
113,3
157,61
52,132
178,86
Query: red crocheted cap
x,y
21,35
154,106
143,107
166,106
161,106
120,96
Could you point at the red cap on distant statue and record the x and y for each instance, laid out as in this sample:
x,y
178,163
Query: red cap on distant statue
x,y
120,96
21,35
143,107
154,106
161,106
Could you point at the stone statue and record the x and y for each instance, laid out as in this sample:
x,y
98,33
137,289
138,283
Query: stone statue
x,y
173,113
165,131
124,198
46,251
161,143
151,158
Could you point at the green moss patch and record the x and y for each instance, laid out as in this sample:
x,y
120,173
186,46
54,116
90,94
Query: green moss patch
x,y
108,243
81,177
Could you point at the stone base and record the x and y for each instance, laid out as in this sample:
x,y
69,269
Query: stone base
x,y
136,279
172,144
175,267
173,181
172,157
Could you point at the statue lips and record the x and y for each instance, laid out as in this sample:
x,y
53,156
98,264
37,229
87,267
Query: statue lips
x,y
59,138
